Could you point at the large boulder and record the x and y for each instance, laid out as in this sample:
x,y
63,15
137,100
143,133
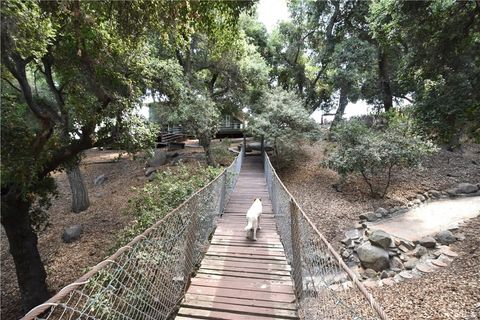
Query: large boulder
x,y
445,237
72,233
382,211
380,238
159,159
373,257
427,242
466,188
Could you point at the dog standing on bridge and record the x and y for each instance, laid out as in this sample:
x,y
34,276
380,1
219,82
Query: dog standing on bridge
x,y
253,218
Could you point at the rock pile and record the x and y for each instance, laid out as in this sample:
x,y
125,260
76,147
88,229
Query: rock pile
x,y
380,258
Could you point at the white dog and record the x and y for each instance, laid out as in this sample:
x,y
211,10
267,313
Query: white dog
x,y
253,217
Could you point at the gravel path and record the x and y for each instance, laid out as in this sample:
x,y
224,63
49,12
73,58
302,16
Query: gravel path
x,y
453,292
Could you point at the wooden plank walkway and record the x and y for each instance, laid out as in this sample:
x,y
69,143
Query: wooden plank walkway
x,y
240,278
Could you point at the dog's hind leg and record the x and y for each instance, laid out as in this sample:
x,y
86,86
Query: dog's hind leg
x,y
258,225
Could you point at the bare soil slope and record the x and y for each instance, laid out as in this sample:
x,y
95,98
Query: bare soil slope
x,y
452,293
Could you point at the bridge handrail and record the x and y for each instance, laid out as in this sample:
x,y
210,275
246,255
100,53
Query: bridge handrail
x,y
219,188
298,233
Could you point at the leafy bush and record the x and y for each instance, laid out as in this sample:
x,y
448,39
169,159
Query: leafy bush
x,y
284,123
166,192
220,152
375,153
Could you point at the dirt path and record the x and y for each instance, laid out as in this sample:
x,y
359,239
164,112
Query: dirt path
x,y
453,292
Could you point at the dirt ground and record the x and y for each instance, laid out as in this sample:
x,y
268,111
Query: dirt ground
x,y
106,216
453,292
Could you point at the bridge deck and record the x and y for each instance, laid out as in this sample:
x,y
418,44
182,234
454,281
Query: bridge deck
x,y
240,278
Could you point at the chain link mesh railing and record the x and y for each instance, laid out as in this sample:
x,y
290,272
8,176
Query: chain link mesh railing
x,y
147,278
325,287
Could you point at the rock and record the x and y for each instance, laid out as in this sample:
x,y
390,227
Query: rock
x,y
346,253
466,188
101,179
373,257
159,159
370,273
382,211
152,176
410,263
416,202
403,248
369,216
384,274
72,233
396,263
407,244
445,237
420,251
353,261
353,234
149,171
427,242
435,193
421,197
380,238
401,210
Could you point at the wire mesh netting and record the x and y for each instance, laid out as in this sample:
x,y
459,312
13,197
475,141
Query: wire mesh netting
x,y
325,287
147,278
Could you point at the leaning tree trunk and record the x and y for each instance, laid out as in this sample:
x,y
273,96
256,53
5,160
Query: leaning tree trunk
x,y
383,74
342,104
80,201
31,275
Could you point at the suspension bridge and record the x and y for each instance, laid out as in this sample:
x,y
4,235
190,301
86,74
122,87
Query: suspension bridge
x,y
196,263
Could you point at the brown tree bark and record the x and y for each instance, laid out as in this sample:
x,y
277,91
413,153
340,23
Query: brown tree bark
x,y
342,104
80,200
22,241
384,78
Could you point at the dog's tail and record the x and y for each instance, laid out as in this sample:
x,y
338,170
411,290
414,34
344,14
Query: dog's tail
x,y
249,225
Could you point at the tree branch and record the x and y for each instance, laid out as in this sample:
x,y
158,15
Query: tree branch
x,y
11,84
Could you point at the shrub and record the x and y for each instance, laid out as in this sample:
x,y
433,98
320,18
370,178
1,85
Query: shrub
x,y
284,123
166,192
221,154
375,153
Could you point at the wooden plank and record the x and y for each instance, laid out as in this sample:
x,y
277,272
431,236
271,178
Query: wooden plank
x,y
221,315
225,307
241,302
235,278
243,274
244,294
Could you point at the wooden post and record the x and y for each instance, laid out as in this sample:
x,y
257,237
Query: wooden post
x,y
222,193
296,253
189,249
244,141
262,146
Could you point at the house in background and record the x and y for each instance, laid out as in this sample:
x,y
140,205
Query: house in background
x,y
231,126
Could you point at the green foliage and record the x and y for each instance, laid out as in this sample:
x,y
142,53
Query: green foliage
x,y
221,154
284,122
167,191
375,153
438,42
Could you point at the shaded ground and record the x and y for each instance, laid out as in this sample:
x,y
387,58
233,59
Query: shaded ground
x,y
101,223
452,293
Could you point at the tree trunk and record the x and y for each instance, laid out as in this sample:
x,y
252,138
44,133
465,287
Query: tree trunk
x,y
80,201
342,104
31,275
205,141
384,80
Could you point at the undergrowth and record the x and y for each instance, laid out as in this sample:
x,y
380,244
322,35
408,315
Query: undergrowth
x,y
166,192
